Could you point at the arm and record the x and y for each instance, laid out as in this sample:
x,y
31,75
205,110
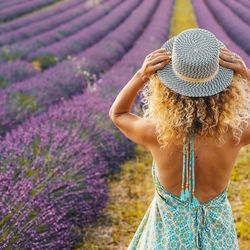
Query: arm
x,y
239,67
132,126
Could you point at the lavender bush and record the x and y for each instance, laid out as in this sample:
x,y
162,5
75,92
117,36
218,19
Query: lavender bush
x,y
51,187
29,20
10,3
21,9
245,3
239,10
233,25
36,94
44,25
60,32
152,39
12,72
88,36
65,191
206,20
57,163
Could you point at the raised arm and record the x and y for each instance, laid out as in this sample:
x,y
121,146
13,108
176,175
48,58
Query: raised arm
x,y
239,67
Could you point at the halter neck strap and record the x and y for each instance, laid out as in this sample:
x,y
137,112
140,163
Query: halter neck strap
x,y
188,169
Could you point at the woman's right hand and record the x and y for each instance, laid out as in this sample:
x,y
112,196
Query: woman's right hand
x,y
238,65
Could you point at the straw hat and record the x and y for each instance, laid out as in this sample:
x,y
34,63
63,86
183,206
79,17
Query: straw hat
x,y
194,69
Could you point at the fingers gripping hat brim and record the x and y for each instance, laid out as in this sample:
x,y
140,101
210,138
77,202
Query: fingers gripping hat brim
x,y
220,82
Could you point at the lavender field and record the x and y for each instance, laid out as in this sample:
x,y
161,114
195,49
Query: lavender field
x,y
61,68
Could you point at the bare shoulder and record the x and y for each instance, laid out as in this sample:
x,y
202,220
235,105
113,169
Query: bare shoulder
x,y
245,138
229,137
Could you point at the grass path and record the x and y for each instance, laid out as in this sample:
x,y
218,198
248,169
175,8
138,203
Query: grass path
x,y
183,18
239,197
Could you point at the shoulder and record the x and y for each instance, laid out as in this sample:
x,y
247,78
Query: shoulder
x,y
245,138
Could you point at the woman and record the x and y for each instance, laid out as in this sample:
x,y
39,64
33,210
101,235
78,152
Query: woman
x,y
196,120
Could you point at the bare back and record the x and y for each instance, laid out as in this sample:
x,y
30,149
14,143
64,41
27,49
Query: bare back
x,y
213,166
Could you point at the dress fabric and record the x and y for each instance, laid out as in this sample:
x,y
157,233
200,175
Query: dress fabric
x,y
170,223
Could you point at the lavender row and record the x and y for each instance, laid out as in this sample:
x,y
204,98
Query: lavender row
x,y
21,9
23,49
54,182
44,25
239,10
29,20
245,3
233,25
11,3
88,36
111,82
61,175
62,81
17,71
72,117
206,20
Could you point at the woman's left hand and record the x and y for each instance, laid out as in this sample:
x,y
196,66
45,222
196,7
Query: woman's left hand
x,y
154,61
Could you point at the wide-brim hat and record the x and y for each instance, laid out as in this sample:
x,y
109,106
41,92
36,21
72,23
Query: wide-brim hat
x,y
194,68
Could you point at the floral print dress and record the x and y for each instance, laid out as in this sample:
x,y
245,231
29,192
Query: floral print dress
x,y
173,223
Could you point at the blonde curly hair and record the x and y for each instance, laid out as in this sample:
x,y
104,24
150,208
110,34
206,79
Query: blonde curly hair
x,y
176,115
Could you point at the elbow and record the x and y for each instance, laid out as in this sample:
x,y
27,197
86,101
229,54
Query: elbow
x,y
111,115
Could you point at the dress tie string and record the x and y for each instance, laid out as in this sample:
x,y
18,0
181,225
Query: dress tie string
x,y
202,222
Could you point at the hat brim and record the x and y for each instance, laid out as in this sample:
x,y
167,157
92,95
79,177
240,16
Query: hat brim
x,y
194,89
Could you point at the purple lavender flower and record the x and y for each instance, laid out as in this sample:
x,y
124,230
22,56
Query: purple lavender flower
x,y
60,32
36,94
241,11
29,20
90,35
21,9
17,71
245,3
4,5
237,29
206,20
43,25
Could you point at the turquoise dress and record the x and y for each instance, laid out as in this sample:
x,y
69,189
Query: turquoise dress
x,y
173,222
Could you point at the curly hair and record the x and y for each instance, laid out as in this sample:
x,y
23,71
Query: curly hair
x,y
176,115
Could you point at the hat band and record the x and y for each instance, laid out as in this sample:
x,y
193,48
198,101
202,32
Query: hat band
x,y
201,80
